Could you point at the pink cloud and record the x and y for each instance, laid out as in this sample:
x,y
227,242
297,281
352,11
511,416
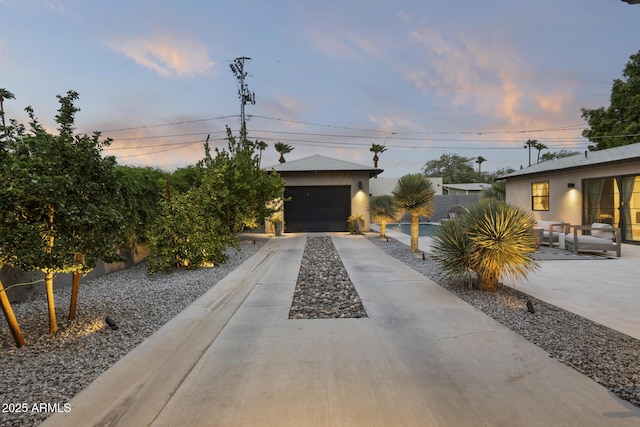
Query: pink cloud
x,y
165,54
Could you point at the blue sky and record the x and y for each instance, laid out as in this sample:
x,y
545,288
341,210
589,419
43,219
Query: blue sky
x,y
422,77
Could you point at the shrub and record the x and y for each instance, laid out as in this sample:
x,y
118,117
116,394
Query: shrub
x,y
494,240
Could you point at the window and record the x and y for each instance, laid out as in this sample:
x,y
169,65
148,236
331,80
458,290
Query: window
x,y
540,196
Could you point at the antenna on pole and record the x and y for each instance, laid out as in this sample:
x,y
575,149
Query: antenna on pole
x,y
245,95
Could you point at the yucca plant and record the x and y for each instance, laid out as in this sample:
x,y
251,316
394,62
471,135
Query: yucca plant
x,y
382,211
414,193
494,239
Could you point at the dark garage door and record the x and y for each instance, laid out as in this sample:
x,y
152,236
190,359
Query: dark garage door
x,y
317,209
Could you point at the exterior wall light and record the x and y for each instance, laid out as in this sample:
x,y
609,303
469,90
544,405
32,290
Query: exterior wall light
x,y
360,185
571,185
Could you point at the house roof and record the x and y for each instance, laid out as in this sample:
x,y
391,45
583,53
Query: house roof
x,y
473,186
624,153
320,163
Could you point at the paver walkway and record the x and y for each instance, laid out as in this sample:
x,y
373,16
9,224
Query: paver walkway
x,y
422,358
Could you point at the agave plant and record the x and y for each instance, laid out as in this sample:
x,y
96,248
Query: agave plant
x,y
494,239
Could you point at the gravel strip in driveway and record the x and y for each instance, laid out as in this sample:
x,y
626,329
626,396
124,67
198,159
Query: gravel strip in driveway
x,y
609,357
324,289
52,369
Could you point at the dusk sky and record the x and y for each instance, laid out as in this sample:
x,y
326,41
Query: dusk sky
x,y
474,78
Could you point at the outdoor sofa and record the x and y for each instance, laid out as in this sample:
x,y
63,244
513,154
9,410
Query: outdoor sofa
x,y
594,237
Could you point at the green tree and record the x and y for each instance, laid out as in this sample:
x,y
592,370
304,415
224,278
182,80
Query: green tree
x,y
453,169
377,149
283,149
557,155
414,193
182,179
60,198
141,189
494,239
234,194
618,124
383,210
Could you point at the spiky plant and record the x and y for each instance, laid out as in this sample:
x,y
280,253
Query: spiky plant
x,y
414,194
500,237
283,149
382,211
450,248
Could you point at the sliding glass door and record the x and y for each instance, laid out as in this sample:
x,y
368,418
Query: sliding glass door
x,y
615,201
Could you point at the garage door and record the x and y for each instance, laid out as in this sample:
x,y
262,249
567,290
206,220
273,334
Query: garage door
x,y
317,209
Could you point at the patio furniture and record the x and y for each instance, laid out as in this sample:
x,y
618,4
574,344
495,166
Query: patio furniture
x,y
551,231
594,237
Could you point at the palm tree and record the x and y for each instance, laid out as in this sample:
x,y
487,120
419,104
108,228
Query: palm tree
x,y
479,161
4,94
530,143
283,149
539,146
377,149
382,211
261,146
414,194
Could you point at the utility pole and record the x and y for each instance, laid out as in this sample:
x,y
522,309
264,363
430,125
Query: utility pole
x,y
245,95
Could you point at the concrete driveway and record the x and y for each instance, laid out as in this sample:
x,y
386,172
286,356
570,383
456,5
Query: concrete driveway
x,y
422,358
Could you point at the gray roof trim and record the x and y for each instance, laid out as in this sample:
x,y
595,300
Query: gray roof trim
x,y
318,163
624,153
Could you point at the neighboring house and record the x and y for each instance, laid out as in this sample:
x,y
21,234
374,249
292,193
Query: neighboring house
x,y
597,186
324,192
470,188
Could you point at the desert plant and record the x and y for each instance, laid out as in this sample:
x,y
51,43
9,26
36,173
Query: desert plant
x,y
494,239
414,194
356,223
382,211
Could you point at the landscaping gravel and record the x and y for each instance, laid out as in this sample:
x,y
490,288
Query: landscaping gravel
x,y
609,357
324,289
50,370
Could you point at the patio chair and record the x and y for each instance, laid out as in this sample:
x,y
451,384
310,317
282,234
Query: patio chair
x,y
551,231
594,237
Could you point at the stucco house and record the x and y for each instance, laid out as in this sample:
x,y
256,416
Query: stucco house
x,y
324,192
597,186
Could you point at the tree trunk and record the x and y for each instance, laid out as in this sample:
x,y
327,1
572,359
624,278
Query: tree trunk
x,y
75,290
383,229
48,281
11,318
487,283
415,231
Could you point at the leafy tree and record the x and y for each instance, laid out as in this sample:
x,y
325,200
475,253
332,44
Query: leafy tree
x,y
60,198
142,190
453,169
283,149
234,193
377,149
382,211
618,124
261,145
494,239
414,193
182,179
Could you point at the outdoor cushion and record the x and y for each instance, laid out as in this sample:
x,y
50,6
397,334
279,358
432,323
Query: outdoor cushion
x,y
604,231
